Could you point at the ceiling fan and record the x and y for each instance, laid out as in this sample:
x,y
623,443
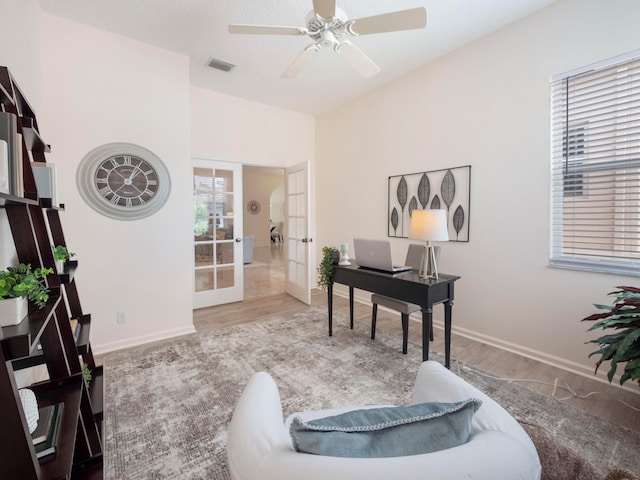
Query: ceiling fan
x,y
327,25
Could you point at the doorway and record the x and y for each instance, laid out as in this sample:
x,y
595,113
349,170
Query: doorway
x,y
264,210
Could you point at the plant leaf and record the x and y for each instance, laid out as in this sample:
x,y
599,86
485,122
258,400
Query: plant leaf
x,y
435,203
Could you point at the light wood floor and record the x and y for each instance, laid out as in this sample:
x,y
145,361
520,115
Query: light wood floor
x,y
264,296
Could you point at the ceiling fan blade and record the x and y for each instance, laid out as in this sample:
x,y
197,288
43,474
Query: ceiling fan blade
x,y
325,8
389,22
266,30
301,61
357,59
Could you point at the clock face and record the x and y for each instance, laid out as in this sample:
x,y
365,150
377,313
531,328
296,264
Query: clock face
x,y
126,180
123,181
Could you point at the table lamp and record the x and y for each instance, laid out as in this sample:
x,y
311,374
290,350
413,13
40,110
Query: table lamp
x,y
431,226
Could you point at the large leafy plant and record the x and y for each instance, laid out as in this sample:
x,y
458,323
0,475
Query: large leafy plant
x,y
623,345
21,281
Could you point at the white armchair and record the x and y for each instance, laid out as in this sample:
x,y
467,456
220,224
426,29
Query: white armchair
x,y
260,447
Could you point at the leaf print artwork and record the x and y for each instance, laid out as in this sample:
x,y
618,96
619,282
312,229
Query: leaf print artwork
x,y
424,190
413,204
394,219
458,220
402,192
448,189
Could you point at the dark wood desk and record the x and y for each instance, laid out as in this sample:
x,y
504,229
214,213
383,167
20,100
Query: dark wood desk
x,y
407,286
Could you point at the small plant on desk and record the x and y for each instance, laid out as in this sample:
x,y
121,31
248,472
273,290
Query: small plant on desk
x,y
330,258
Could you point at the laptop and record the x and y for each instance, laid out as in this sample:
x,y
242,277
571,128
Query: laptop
x,y
376,254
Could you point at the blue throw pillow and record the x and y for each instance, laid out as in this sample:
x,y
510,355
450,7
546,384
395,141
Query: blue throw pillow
x,y
387,431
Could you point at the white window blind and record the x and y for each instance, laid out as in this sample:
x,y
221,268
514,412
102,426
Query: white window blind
x,y
595,168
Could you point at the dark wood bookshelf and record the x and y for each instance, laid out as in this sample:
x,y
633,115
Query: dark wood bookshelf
x,y
45,337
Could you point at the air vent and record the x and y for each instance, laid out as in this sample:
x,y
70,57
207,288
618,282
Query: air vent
x,y
220,65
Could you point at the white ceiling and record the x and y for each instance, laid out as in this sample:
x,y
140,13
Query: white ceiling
x,y
198,29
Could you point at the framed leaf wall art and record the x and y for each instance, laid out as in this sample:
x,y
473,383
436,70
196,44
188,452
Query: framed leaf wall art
x,y
449,189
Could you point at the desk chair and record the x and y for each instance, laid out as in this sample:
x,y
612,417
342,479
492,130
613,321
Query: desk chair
x,y
414,259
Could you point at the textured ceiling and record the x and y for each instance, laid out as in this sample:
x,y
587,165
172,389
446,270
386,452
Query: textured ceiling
x,y
198,28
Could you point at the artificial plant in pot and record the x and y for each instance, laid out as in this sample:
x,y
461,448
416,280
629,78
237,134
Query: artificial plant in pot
x,y
330,258
622,344
17,285
61,255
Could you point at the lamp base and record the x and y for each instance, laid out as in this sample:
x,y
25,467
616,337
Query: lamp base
x,y
429,267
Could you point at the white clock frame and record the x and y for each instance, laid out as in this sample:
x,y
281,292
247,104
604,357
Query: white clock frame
x,y
90,194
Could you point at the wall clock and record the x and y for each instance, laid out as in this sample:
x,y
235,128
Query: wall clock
x,y
123,181
254,207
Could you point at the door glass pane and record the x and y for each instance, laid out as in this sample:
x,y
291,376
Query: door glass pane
x,y
225,277
204,279
213,228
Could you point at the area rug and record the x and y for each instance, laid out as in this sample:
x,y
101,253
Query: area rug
x,y
167,406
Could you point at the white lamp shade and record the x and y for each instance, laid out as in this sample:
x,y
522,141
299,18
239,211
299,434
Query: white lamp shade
x,y
429,225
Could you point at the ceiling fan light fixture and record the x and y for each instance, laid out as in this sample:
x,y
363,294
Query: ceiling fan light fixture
x,y
327,25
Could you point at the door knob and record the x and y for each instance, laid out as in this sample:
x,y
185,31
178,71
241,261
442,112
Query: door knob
x,y
238,240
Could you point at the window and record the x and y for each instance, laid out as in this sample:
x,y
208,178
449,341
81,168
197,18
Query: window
x,y
595,167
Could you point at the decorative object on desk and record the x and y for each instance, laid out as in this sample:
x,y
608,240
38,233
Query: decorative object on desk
x,y
254,207
17,284
30,408
344,254
623,345
61,255
330,257
123,181
448,188
431,226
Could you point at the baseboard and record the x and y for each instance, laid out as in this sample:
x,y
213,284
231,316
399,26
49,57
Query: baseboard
x,y
552,360
100,349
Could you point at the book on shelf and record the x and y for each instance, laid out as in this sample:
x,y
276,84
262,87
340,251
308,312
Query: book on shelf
x,y
8,152
75,328
45,415
48,445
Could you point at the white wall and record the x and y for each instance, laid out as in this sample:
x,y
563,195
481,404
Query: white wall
x,y
236,130
100,88
486,105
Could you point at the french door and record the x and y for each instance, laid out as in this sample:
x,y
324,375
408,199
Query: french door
x,y
217,233
296,234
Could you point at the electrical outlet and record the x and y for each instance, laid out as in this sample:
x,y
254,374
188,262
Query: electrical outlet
x,y
121,318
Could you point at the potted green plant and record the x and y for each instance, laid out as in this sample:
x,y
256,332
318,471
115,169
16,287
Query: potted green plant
x,y
330,258
61,255
622,344
17,285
